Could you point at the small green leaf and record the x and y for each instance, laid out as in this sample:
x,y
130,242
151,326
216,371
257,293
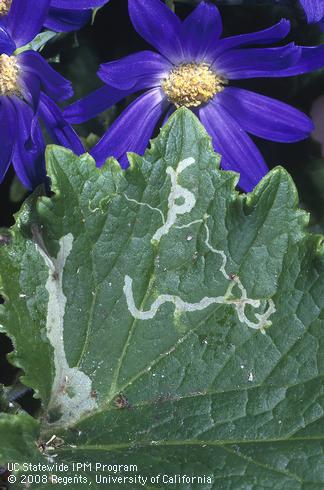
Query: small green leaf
x,y
38,43
17,190
94,14
91,140
168,322
170,4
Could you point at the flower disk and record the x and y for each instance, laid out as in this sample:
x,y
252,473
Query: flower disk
x,y
9,71
5,6
192,85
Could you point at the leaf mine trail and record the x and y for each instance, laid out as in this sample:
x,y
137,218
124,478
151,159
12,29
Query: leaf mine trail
x,y
240,303
71,391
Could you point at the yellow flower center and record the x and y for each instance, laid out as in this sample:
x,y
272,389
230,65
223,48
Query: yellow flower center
x,y
192,84
9,72
5,6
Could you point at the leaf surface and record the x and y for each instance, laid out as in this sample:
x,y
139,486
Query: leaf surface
x,y
168,322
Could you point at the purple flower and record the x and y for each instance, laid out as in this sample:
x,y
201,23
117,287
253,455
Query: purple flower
x,y
28,86
63,15
194,69
70,15
314,10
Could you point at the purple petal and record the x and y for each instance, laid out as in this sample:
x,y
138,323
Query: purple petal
x,y
64,20
314,9
31,89
25,19
93,104
238,151
78,4
132,130
8,133
168,114
267,36
265,117
60,131
312,58
256,62
201,31
158,25
52,82
145,69
7,46
28,158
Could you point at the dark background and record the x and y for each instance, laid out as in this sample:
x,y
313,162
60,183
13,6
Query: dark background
x,y
112,36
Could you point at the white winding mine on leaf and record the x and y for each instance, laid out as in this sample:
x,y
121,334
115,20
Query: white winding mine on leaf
x,y
145,204
177,192
174,209
239,304
71,391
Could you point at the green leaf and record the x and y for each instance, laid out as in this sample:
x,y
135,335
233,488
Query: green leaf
x,y
39,42
170,4
17,190
17,436
168,322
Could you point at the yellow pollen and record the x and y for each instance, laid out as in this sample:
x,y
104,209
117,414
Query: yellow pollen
x,y
9,72
192,84
5,6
